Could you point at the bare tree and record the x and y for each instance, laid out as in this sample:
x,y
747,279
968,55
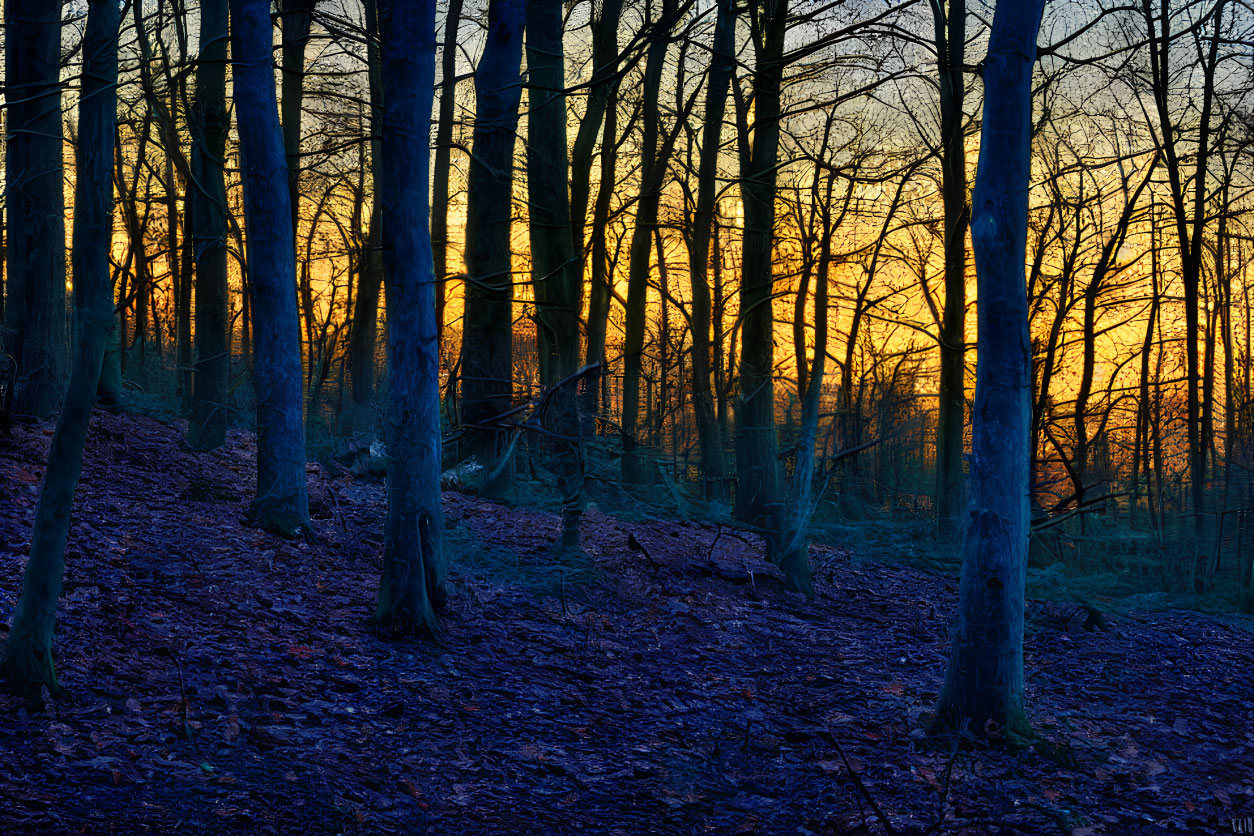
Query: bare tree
x,y
984,678
27,660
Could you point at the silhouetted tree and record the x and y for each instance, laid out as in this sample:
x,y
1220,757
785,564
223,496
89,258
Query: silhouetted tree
x,y
950,23
758,497
487,331
709,433
35,205
210,125
555,272
443,154
363,336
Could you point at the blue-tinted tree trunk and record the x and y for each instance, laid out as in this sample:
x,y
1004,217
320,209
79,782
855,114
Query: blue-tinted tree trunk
x,y
984,680
210,124
35,205
413,566
27,660
282,501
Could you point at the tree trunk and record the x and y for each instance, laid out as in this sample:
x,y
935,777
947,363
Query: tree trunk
x,y
951,27
35,204
601,274
709,439
443,155
601,91
412,585
794,554
295,17
984,679
555,274
27,661
758,498
282,501
652,169
487,335
210,124
363,336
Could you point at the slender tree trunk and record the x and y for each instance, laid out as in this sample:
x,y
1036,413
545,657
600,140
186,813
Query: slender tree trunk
x,y
951,28
601,93
487,335
758,498
363,335
794,555
443,154
709,440
555,272
984,679
601,275
282,501
27,660
1189,227
35,204
412,586
652,167
210,124
296,17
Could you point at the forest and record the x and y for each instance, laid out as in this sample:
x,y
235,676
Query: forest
x,y
627,416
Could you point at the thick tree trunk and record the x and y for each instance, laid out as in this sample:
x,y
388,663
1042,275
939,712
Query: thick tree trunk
x,y
35,205
210,124
412,586
282,501
984,679
487,334
27,660
555,272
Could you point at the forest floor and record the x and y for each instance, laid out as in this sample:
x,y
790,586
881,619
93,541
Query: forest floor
x,y
221,680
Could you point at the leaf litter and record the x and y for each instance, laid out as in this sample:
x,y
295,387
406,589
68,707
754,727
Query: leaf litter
x,y
225,680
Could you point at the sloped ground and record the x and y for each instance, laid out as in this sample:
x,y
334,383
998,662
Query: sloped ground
x,y
221,680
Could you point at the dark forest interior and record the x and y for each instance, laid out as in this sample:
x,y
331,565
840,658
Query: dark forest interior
x,y
627,416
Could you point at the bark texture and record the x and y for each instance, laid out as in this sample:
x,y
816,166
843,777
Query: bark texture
x,y
984,679
412,586
282,501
